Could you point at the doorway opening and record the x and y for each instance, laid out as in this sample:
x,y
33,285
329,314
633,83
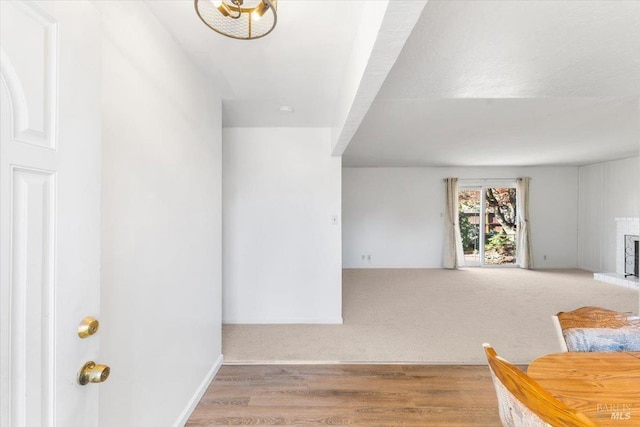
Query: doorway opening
x,y
488,225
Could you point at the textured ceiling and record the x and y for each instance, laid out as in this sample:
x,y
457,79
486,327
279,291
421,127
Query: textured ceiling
x,y
509,83
521,49
300,64
496,132
477,82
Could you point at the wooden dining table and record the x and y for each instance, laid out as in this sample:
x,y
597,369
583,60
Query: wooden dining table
x,y
603,386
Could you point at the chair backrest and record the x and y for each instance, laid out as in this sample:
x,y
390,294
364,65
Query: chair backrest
x,y
599,329
523,402
559,333
596,317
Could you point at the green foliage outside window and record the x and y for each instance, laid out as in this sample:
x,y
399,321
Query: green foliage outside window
x,y
502,243
468,232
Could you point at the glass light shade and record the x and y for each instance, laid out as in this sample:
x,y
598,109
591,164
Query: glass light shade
x,y
233,18
259,11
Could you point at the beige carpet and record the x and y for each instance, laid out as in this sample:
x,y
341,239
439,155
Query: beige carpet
x,y
432,316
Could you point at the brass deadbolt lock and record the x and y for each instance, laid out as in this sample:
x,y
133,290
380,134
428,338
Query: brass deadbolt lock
x,y
92,373
88,327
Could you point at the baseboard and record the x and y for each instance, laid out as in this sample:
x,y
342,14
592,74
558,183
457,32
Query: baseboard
x,y
191,406
285,321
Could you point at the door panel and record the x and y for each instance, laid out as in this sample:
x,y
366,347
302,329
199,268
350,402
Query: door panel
x,y
470,220
49,210
30,52
32,280
500,226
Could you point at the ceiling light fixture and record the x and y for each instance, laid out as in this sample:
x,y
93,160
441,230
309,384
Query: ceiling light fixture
x,y
232,18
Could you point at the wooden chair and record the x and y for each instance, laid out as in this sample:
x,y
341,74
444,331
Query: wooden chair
x,y
595,323
596,317
522,402
559,333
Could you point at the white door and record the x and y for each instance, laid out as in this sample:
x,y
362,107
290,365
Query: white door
x,y
49,210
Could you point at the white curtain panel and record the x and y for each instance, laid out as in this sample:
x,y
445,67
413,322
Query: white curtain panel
x,y
453,253
523,251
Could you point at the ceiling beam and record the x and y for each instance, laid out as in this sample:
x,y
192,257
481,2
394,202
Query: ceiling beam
x,y
383,31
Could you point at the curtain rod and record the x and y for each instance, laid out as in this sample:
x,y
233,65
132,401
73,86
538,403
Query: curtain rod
x,y
486,179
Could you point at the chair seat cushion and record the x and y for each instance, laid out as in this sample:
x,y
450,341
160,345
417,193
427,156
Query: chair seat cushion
x,y
602,339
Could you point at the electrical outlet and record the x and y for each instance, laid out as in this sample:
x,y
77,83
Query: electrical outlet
x,y
369,257
544,257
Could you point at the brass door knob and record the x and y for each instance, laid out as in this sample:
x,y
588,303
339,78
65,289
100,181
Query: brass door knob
x,y
88,327
92,373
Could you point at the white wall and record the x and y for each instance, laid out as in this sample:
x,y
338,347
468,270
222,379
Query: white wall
x,y
281,251
607,191
161,279
396,214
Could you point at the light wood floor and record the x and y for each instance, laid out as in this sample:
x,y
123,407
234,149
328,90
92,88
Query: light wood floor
x,y
407,395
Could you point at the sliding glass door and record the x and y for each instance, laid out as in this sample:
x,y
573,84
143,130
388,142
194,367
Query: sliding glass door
x,y
487,217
